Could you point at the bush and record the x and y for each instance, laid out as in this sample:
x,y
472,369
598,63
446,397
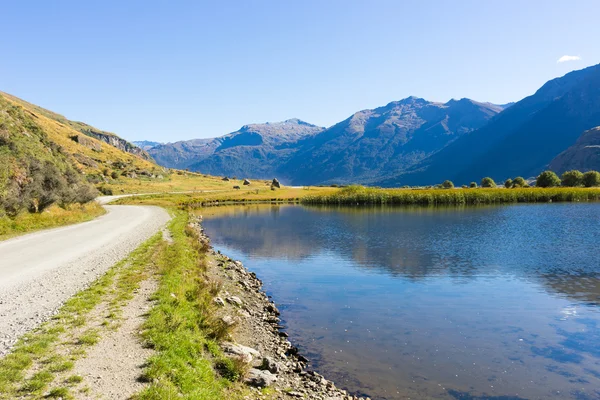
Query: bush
x,y
508,183
115,175
547,179
473,185
519,182
572,178
488,182
447,184
591,179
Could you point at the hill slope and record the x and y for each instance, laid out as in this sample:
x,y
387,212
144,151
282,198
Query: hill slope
x,y
522,140
584,155
107,137
45,161
255,150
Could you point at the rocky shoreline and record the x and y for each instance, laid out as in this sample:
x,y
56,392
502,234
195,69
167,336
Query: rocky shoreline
x,y
258,338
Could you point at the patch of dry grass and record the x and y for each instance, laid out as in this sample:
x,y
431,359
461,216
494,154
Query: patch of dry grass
x,y
51,218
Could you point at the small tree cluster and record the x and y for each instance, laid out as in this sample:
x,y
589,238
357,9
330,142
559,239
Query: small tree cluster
x,y
42,184
573,178
518,182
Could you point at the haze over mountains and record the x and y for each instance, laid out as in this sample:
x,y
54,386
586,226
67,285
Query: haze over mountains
x,y
412,141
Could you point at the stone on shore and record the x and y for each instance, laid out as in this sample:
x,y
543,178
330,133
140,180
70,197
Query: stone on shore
x,y
245,353
260,378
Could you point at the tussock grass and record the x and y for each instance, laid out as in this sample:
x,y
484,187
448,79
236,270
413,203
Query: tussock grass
x,y
359,195
53,217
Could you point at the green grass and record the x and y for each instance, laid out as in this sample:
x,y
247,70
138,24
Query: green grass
x,y
359,195
182,326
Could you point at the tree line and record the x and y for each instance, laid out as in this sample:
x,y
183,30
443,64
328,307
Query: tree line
x,y
546,179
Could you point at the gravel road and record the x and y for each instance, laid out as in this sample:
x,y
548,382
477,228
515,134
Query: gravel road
x,y
40,271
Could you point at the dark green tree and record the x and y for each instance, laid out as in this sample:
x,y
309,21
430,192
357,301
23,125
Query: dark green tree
x,y
572,178
488,182
447,184
473,185
508,183
591,179
547,179
519,182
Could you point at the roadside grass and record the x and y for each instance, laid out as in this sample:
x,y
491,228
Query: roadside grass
x,y
53,217
52,349
182,327
359,195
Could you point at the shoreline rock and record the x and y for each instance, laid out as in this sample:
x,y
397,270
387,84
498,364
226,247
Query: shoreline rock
x,y
258,337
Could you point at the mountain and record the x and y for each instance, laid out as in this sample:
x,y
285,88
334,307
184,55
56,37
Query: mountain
x,y
255,150
88,130
146,144
373,143
584,155
522,140
368,145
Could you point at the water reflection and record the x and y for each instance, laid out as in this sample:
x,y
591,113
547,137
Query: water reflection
x,y
433,303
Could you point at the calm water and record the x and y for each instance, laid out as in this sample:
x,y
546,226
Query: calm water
x,y
474,303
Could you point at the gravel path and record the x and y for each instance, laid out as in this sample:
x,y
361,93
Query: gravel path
x,y
40,271
112,368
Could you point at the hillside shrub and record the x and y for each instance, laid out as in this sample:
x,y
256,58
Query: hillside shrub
x,y
547,179
591,179
572,178
488,182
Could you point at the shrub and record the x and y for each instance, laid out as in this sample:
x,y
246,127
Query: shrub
x,y
447,184
572,178
519,182
115,175
488,182
591,179
508,183
473,185
547,179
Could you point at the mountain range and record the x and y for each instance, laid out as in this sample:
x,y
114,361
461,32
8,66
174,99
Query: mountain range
x,y
360,148
412,141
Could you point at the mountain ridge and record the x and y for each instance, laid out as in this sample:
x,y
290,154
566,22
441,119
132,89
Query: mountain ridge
x,y
268,149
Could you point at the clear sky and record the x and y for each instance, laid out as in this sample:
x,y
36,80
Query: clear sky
x,y
172,70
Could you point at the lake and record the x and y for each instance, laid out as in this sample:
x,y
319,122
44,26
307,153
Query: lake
x,y
442,303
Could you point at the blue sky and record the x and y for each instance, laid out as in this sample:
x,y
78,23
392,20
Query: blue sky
x,y
178,70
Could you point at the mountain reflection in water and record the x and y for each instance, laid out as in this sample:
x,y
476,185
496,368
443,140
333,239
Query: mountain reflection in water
x,y
432,302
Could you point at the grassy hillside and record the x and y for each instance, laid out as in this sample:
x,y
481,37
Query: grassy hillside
x,y
48,169
107,137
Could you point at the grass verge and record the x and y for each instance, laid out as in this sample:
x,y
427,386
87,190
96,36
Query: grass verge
x,y
182,327
53,217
